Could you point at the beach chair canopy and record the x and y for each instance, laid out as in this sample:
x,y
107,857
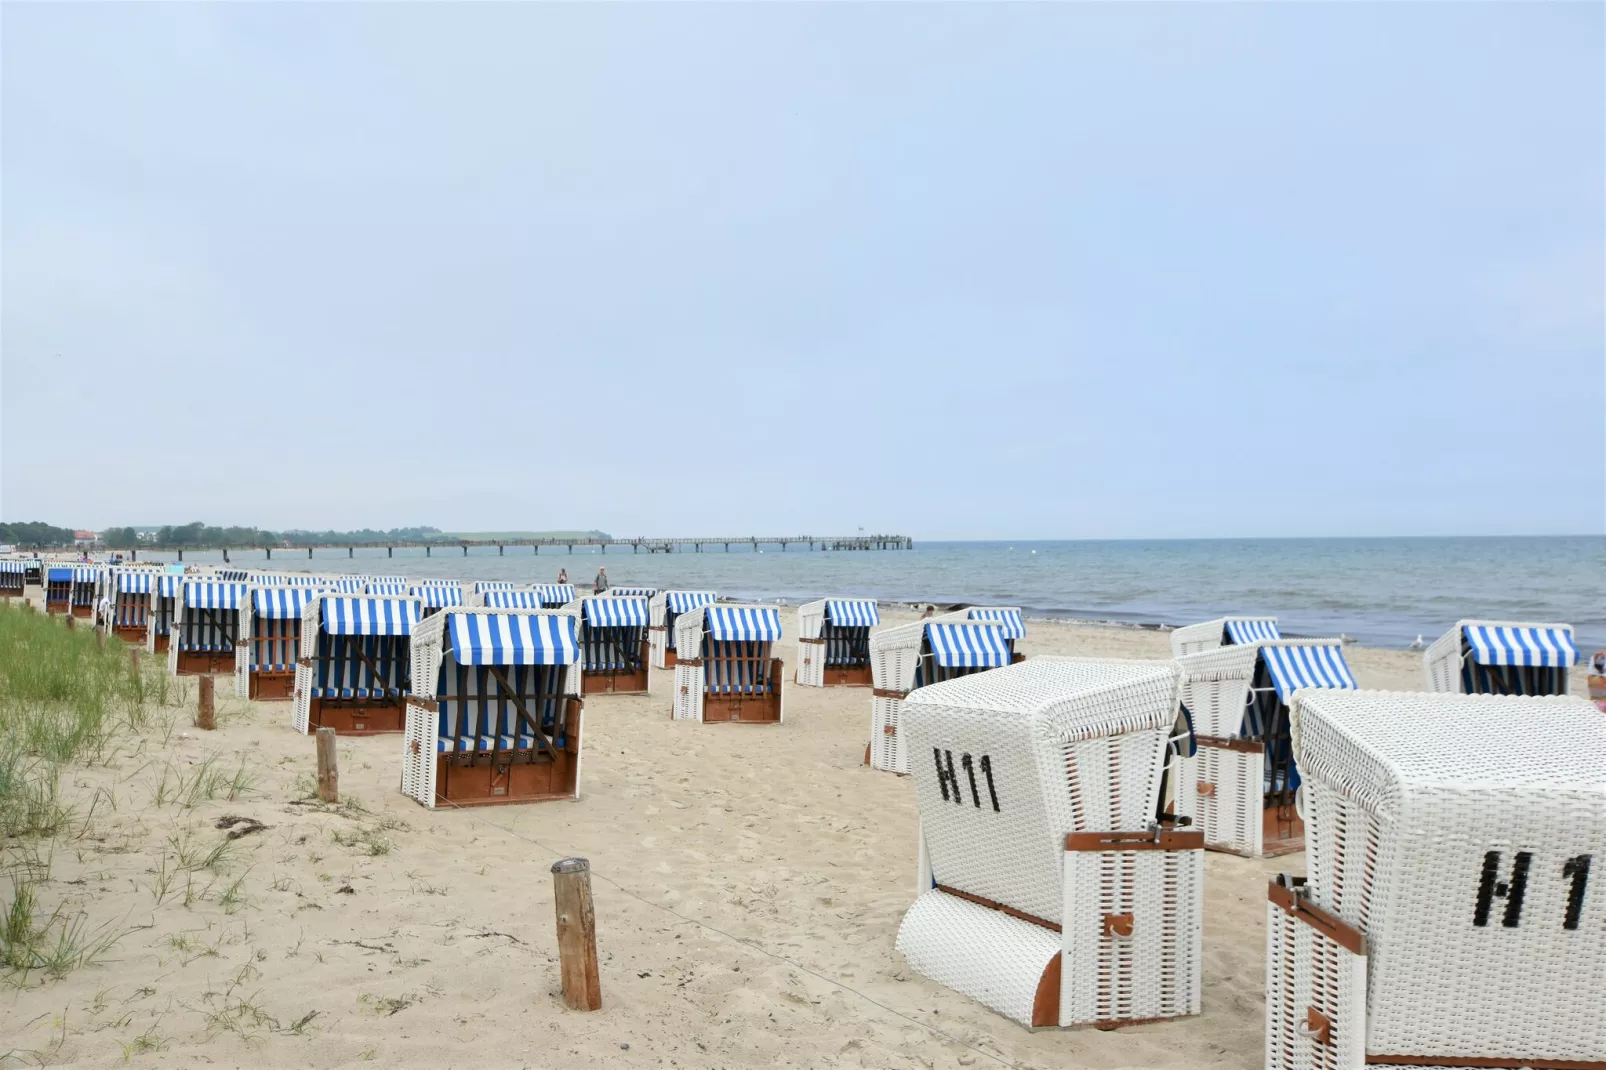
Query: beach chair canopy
x,y
280,603
369,616
1008,620
386,579
1546,646
555,594
206,594
437,595
512,599
346,584
686,601
386,590
481,586
616,612
631,592
852,612
435,583
513,638
13,566
967,646
59,575
233,575
168,584
1296,665
304,581
135,582
743,623
1241,631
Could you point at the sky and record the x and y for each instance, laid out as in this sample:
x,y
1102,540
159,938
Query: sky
x,y
953,271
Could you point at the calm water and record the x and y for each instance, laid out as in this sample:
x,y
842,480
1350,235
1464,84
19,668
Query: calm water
x,y
1382,591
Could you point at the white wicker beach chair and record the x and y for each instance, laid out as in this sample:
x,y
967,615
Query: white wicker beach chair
x,y
663,608
913,655
269,643
1500,657
725,668
833,642
354,673
1223,631
1449,918
613,643
128,602
1047,889
494,716
205,626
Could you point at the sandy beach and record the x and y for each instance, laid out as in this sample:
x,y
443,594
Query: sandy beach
x,y
749,882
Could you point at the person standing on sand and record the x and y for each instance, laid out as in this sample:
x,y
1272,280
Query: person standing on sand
x,y
563,575
601,583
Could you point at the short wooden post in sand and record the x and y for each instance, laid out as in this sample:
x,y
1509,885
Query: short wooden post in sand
x,y
100,639
205,711
133,662
328,768
72,621
577,933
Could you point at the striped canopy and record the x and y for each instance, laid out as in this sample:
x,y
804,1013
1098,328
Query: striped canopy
x,y
1307,665
369,616
438,595
1008,621
513,638
967,645
481,586
616,612
387,590
686,601
205,594
59,575
167,585
386,579
13,566
1242,631
746,623
631,592
280,603
1500,644
85,574
555,594
435,583
134,582
852,612
346,584
304,580
233,575
267,579
513,599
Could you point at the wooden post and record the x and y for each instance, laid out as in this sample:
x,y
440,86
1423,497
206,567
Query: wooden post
x,y
100,638
328,767
205,711
133,662
577,933
72,621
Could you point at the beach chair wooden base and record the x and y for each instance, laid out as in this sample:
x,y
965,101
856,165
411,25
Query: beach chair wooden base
x,y
516,777
358,717
614,682
272,686
746,709
83,611
847,675
160,643
1282,832
205,662
1016,658
669,659
55,607
130,633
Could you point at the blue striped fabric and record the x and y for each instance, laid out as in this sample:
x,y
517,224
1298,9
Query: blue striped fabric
x,y
233,575
616,612
481,586
555,594
342,674
437,595
513,600
13,566
267,579
346,585
1008,620
385,579
299,580
369,616
168,584
852,613
513,638
435,583
685,601
275,643
743,624
134,582
967,645
205,594
1494,644
476,715
280,603
386,590
1307,665
1242,631
631,592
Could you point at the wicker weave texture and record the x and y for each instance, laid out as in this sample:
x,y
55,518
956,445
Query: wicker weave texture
x,y
688,699
1194,638
1305,971
985,954
1231,814
1214,686
887,751
1441,661
810,656
895,655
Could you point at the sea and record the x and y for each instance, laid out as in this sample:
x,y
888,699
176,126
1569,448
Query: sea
x,y
1380,591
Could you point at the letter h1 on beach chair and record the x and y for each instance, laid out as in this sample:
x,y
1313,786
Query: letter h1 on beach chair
x,y
270,643
725,668
495,717
910,656
1448,919
353,674
613,644
206,626
13,579
1239,785
435,596
1047,889
1493,657
664,607
1224,631
1008,619
833,642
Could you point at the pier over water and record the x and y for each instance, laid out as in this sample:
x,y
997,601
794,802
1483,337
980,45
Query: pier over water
x,y
689,544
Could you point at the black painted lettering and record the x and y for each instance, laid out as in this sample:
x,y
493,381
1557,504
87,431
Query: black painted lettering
x,y
1577,871
987,771
970,774
947,776
1491,887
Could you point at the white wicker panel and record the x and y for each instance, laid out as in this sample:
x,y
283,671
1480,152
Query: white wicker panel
x,y
887,750
1157,971
1441,661
1305,970
424,649
418,754
989,956
811,619
689,633
150,627
1193,638
895,654
688,692
657,636
1215,687
1432,786
1231,818
173,634
810,663
243,647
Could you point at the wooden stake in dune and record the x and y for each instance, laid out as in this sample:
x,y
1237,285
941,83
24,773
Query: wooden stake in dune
x,y
100,639
133,662
328,767
72,622
577,933
205,709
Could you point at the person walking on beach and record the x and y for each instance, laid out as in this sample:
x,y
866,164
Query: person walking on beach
x,y
601,583
563,575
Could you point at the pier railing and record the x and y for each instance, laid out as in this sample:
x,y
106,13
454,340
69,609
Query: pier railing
x,y
691,544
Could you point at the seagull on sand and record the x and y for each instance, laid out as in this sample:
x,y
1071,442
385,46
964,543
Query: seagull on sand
x,y
1417,645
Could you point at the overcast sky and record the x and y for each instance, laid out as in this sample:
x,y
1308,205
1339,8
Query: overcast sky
x,y
955,271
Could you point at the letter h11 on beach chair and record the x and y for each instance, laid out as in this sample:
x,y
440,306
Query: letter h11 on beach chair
x,y
1047,889
613,644
354,673
495,717
206,626
725,668
833,642
1452,916
270,643
1494,657
664,607
909,656
1224,631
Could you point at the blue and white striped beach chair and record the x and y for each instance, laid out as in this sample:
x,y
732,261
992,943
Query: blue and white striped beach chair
x,y
436,595
13,578
1501,657
354,673
58,588
833,643
725,668
130,607
613,644
910,656
664,608
206,626
1223,631
270,642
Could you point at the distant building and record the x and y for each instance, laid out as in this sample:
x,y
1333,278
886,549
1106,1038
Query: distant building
x,y
146,536
84,540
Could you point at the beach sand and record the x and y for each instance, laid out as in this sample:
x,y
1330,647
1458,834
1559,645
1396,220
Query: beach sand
x,y
749,881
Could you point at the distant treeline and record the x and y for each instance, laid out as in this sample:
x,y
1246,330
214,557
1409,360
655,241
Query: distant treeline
x,y
200,535
37,533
